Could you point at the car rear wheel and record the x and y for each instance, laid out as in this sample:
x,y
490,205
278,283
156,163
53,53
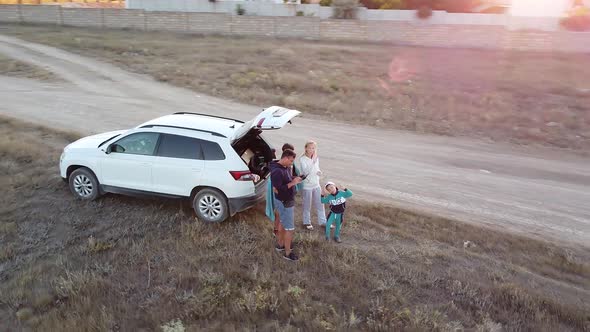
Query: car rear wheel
x,y
210,205
84,185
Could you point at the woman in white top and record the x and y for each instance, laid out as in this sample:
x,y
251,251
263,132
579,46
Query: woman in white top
x,y
309,167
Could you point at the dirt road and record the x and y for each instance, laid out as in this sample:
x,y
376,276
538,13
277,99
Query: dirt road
x,y
539,192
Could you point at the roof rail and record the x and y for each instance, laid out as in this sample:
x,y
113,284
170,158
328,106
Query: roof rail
x,y
209,115
176,127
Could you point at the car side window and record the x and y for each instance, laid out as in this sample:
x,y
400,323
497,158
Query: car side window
x,y
175,146
212,151
138,143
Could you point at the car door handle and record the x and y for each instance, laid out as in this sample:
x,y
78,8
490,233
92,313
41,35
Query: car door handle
x,y
145,164
196,169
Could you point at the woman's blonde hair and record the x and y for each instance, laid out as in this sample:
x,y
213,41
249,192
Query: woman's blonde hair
x,y
309,143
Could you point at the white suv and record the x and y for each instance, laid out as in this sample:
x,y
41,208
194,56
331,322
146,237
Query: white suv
x,y
221,164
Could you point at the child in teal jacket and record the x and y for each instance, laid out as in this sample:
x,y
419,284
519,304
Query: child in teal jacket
x,y
337,201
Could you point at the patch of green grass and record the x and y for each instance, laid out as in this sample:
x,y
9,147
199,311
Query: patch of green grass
x,y
6,252
8,228
17,68
24,314
96,246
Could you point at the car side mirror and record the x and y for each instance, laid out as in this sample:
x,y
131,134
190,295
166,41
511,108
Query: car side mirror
x,y
106,150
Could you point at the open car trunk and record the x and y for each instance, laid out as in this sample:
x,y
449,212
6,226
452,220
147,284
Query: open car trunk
x,y
255,152
251,147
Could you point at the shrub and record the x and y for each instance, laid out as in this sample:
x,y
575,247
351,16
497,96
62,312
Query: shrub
x,y
576,23
451,6
578,19
415,4
345,9
424,12
455,6
325,3
240,10
299,13
384,4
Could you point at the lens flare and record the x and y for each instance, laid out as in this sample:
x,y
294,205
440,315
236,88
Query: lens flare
x,y
398,71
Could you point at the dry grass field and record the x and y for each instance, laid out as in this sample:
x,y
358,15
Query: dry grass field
x,y
128,264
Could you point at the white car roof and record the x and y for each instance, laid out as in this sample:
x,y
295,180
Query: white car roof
x,y
206,123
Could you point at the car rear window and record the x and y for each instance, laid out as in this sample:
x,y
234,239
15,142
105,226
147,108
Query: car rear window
x,y
174,146
212,151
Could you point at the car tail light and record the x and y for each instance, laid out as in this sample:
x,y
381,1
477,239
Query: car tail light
x,y
260,122
242,175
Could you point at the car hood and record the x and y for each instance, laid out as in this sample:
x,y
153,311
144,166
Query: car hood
x,y
93,141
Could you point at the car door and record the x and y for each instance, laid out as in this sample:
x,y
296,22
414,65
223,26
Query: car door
x,y
179,165
128,163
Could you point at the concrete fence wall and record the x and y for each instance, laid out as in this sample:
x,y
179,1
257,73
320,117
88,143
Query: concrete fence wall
x,y
272,8
490,36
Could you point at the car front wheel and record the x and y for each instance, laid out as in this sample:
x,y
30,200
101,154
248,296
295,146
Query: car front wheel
x,y
83,184
211,206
